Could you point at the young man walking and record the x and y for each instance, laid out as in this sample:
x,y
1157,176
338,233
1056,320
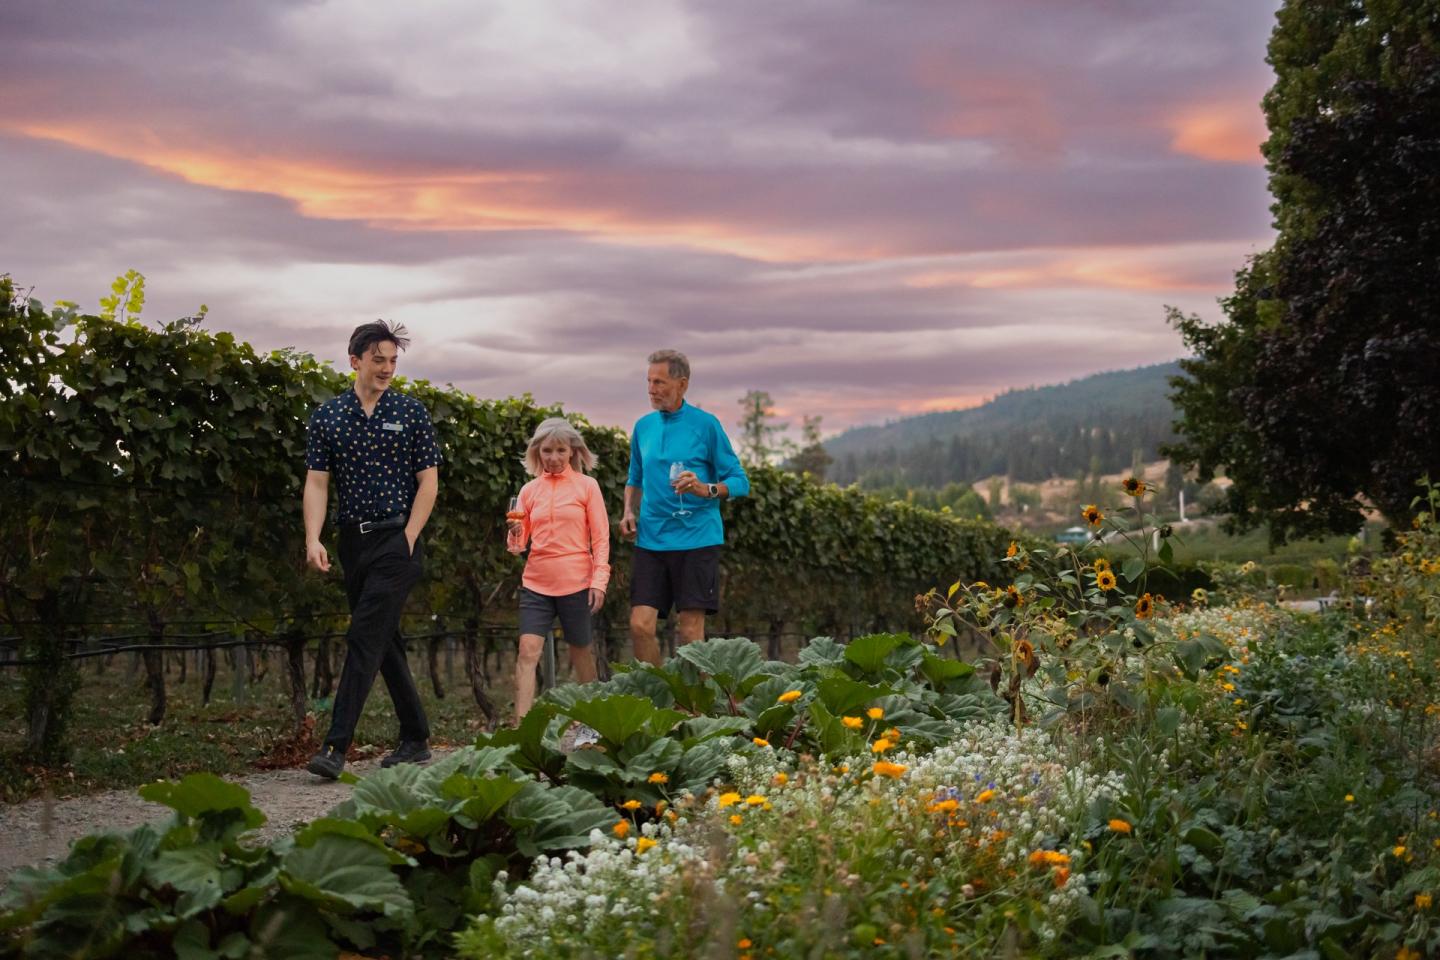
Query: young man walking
x,y
681,467
380,447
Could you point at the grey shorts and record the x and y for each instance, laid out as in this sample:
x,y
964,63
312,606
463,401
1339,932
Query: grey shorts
x,y
538,613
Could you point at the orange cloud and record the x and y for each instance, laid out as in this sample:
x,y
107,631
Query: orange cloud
x,y
1109,268
1223,132
485,200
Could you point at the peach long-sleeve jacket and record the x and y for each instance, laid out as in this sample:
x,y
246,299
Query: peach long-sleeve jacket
x,y
568,531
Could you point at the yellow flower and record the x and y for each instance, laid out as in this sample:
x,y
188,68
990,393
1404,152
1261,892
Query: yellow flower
x,y
643,844
853,723
985,796
893,734
884,768
754,800
1092,514
736,819
780,779
760,741
943,806
1228,687
1405,953
631,805
1014,549
1101,564
1423,901
1144,607
621,829
1349,798
1134,487
1120,826
744,943
728,800
1398,851
1105,580
789,696
875,713
658,777
880,746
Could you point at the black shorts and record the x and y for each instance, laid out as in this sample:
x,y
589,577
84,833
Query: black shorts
x,y
684,579
538,612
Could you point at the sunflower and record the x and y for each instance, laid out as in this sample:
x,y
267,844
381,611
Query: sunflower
x,y
1013,549
1092,514
1025,653
1134,487
1105,580
1101,564
1144,607
1012,597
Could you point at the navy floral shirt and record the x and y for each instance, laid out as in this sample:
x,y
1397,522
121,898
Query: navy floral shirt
x,y
373,459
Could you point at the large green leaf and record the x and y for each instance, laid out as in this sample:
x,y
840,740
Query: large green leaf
x,y
203,796
345,875
841,695
699,765
699,729
534,749
869,652
193,872
555,818
307,835
940,671
766,695
292,929
822,651
660,756
481,799
729,661
617,718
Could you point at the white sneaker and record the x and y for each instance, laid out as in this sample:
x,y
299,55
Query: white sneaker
x,y
585,736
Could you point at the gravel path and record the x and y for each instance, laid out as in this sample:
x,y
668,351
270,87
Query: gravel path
x,y
41,830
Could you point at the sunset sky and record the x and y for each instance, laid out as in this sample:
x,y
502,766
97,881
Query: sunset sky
x,y
866,208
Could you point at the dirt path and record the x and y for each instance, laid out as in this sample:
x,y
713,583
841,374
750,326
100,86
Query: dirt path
x,y
41,830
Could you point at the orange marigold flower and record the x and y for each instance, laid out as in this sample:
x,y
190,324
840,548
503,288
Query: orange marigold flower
x,y
789,696
885,768
1013,549
780,779
1062,876
754,800
985,796
736,819
852,723
760,741
621,829
658,777
631,805
1423,901
643,844
728,800
1092,514
744,943
875,713
1120,826
881,745
943,806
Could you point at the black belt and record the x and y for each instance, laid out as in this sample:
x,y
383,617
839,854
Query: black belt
x,y
389,523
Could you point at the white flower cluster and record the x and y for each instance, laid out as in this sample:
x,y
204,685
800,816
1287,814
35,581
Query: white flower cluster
x,y
585,898
1236,627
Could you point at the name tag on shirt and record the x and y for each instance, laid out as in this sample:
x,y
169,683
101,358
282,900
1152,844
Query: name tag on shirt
x,y
397,427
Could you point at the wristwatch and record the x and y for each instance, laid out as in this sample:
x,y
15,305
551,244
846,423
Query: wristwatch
x,y
714,490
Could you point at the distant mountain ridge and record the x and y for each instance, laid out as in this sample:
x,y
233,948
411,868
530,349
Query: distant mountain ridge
x,y
1096,423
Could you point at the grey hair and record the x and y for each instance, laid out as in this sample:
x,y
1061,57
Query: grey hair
x,y
558,428
679,366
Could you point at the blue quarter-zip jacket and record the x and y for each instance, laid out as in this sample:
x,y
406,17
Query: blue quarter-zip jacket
x,y
695,438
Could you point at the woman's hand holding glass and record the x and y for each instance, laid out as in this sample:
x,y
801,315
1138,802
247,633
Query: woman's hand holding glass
x,y
515,526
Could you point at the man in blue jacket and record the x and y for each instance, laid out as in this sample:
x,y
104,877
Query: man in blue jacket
x,y
681,466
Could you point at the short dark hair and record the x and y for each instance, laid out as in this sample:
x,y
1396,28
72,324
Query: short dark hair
x,y
381,331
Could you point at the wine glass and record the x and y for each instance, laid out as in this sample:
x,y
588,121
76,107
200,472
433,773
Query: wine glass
x,y
514,516
677,468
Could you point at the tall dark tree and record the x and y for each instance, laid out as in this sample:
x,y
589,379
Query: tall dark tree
x,y
1321,390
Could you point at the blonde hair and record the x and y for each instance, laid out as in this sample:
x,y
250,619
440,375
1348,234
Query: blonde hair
x,y
558,428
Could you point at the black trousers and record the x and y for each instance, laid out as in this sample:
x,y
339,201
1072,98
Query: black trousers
x,y
380,572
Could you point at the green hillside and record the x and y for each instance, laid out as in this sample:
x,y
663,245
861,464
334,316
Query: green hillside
x,y
1095,424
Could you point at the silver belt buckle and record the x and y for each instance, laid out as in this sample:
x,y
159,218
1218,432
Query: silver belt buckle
x,y
366,526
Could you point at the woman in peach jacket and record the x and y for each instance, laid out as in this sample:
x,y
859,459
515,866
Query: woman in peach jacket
x,y
568,532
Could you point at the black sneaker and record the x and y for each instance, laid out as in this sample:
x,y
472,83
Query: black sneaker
x,y
409,751
327,763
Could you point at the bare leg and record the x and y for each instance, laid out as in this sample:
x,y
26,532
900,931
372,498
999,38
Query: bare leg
x,y
690,625
526,660
642,634
582,664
